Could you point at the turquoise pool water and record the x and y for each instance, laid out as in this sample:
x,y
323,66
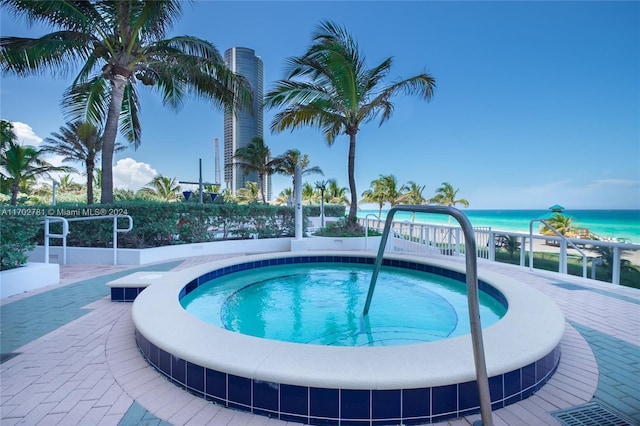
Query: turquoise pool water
x,y
322,304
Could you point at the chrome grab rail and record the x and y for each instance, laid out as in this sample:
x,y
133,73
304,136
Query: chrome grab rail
x,y
472,293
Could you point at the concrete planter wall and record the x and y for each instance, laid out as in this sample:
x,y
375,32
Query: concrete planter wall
x,y
159,254
335,243
28,277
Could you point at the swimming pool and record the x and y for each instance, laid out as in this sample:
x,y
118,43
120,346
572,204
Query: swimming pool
x,y
417,383
322,303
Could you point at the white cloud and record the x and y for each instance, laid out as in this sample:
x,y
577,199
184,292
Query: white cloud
x,y
25,134
613,183
131,174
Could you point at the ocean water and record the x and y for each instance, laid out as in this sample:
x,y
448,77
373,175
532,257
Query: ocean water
x,y
604,223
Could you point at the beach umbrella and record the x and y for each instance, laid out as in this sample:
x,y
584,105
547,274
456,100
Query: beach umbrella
x,y
556,208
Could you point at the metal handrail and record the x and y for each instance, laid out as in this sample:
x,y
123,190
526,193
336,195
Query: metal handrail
x,y
65,232
63,236
563,249
472,293
366,228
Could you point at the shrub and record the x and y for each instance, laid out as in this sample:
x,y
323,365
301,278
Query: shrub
x,y
159,224
17,232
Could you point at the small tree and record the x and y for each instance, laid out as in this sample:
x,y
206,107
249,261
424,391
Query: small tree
x,y
22,164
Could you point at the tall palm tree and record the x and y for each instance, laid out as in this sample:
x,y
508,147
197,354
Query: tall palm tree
x,y
256,157
331,88
79,141
290,159
22,164
163,187
116,45
446,196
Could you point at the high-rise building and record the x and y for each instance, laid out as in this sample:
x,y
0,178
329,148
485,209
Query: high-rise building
x,y
242,126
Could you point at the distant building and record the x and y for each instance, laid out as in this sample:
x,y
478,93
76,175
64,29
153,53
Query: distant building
x,y
241,127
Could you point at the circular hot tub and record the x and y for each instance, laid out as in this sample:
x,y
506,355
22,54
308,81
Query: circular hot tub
x,y
310,383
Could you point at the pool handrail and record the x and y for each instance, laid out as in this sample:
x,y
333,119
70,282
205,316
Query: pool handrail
x,y
65,231
471,263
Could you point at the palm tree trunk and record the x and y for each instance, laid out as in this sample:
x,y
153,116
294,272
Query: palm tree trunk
x,y
118,84
353,208
89,167
264,199
15,188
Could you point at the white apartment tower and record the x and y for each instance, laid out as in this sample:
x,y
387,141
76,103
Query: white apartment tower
x,y
242,126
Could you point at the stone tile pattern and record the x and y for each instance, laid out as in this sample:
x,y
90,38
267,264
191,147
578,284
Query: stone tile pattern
x,y
78,363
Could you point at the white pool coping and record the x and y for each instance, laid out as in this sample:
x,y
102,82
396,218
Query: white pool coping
x,y
532,327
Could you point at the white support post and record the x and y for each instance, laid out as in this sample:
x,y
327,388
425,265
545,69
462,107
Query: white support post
x,y
297,183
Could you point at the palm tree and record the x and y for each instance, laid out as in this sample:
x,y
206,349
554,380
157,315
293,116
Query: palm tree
x,y
285,197
559,222
66,184
331,88
413,195
163,187
7,135
336,194
117,44
249,194
256,157
79,141
97,179
446,196
375,194
321,185
290,159
22,164
309,194
383,190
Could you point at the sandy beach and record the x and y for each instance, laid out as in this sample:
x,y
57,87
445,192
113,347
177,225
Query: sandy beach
x,y
539,246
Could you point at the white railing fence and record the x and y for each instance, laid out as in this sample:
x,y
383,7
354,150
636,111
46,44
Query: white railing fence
x,y
431,239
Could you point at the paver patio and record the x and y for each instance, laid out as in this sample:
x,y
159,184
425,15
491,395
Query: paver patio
x,y
69,357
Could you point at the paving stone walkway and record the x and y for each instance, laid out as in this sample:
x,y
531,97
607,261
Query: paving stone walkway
x,y
69,357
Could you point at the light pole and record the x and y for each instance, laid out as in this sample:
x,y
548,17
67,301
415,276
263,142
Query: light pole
x,y
53,192
200,183
322,186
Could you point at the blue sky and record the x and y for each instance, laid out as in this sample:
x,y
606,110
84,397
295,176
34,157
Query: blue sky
x,y
537,103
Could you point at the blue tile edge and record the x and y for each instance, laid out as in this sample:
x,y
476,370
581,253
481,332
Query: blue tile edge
x,y
341,406
336,406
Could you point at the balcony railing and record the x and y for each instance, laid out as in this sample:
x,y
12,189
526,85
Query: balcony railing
x,y
431,239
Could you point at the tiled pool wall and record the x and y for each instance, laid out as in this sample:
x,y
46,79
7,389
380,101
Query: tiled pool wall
x,y
322,406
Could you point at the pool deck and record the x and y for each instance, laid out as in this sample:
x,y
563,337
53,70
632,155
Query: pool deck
x,y
69,357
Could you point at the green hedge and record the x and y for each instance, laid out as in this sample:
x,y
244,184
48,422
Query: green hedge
x,y
160,224
18,228
154,224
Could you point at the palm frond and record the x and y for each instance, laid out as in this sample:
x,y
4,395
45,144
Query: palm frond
x,y
56,52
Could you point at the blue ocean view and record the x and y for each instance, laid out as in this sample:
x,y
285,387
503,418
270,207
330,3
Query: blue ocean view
x,y
604,223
